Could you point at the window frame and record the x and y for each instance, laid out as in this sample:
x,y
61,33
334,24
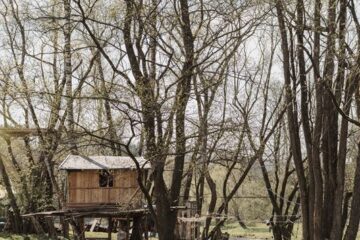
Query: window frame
x,y
106,178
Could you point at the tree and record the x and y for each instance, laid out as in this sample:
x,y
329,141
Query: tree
x,y
322,186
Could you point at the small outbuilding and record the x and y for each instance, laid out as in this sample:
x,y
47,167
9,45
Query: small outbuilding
x,y
94,181
107,187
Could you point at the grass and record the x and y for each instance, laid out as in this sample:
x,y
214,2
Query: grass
x,y
20,237
256,231
35,237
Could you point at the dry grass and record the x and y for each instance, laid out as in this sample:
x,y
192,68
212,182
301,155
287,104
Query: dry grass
x,y
255,231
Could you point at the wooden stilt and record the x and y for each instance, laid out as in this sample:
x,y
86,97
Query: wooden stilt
x,y
65,227
82,227
127,228
137,230
37,226
52,231
146,229
78,228
110,227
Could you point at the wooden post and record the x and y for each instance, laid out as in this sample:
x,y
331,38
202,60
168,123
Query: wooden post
x,y
110,227
38,228
82,228
52,231
146,229
127,228
137,230
65,227
78,228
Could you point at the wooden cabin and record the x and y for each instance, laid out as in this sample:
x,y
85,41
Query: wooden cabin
x,y
103,180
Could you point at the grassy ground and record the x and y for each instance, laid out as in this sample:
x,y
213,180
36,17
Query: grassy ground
x,y
34,237
18,237
257,231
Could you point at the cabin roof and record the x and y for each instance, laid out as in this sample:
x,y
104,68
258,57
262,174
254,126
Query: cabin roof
x,y
80,162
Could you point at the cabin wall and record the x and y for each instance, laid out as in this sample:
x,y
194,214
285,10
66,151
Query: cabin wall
x,y
84,189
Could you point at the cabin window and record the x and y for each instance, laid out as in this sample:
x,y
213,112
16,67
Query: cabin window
x,y
106,179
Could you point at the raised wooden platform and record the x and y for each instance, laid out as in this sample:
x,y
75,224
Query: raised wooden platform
x,y
78,213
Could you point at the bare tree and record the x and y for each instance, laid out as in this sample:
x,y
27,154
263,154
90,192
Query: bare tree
x,y
322,186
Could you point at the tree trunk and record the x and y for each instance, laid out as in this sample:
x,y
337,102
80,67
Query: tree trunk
x,y
17,228
68,78
353,226
293,124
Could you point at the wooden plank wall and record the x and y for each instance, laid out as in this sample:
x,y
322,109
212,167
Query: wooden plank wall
x,y
83,188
